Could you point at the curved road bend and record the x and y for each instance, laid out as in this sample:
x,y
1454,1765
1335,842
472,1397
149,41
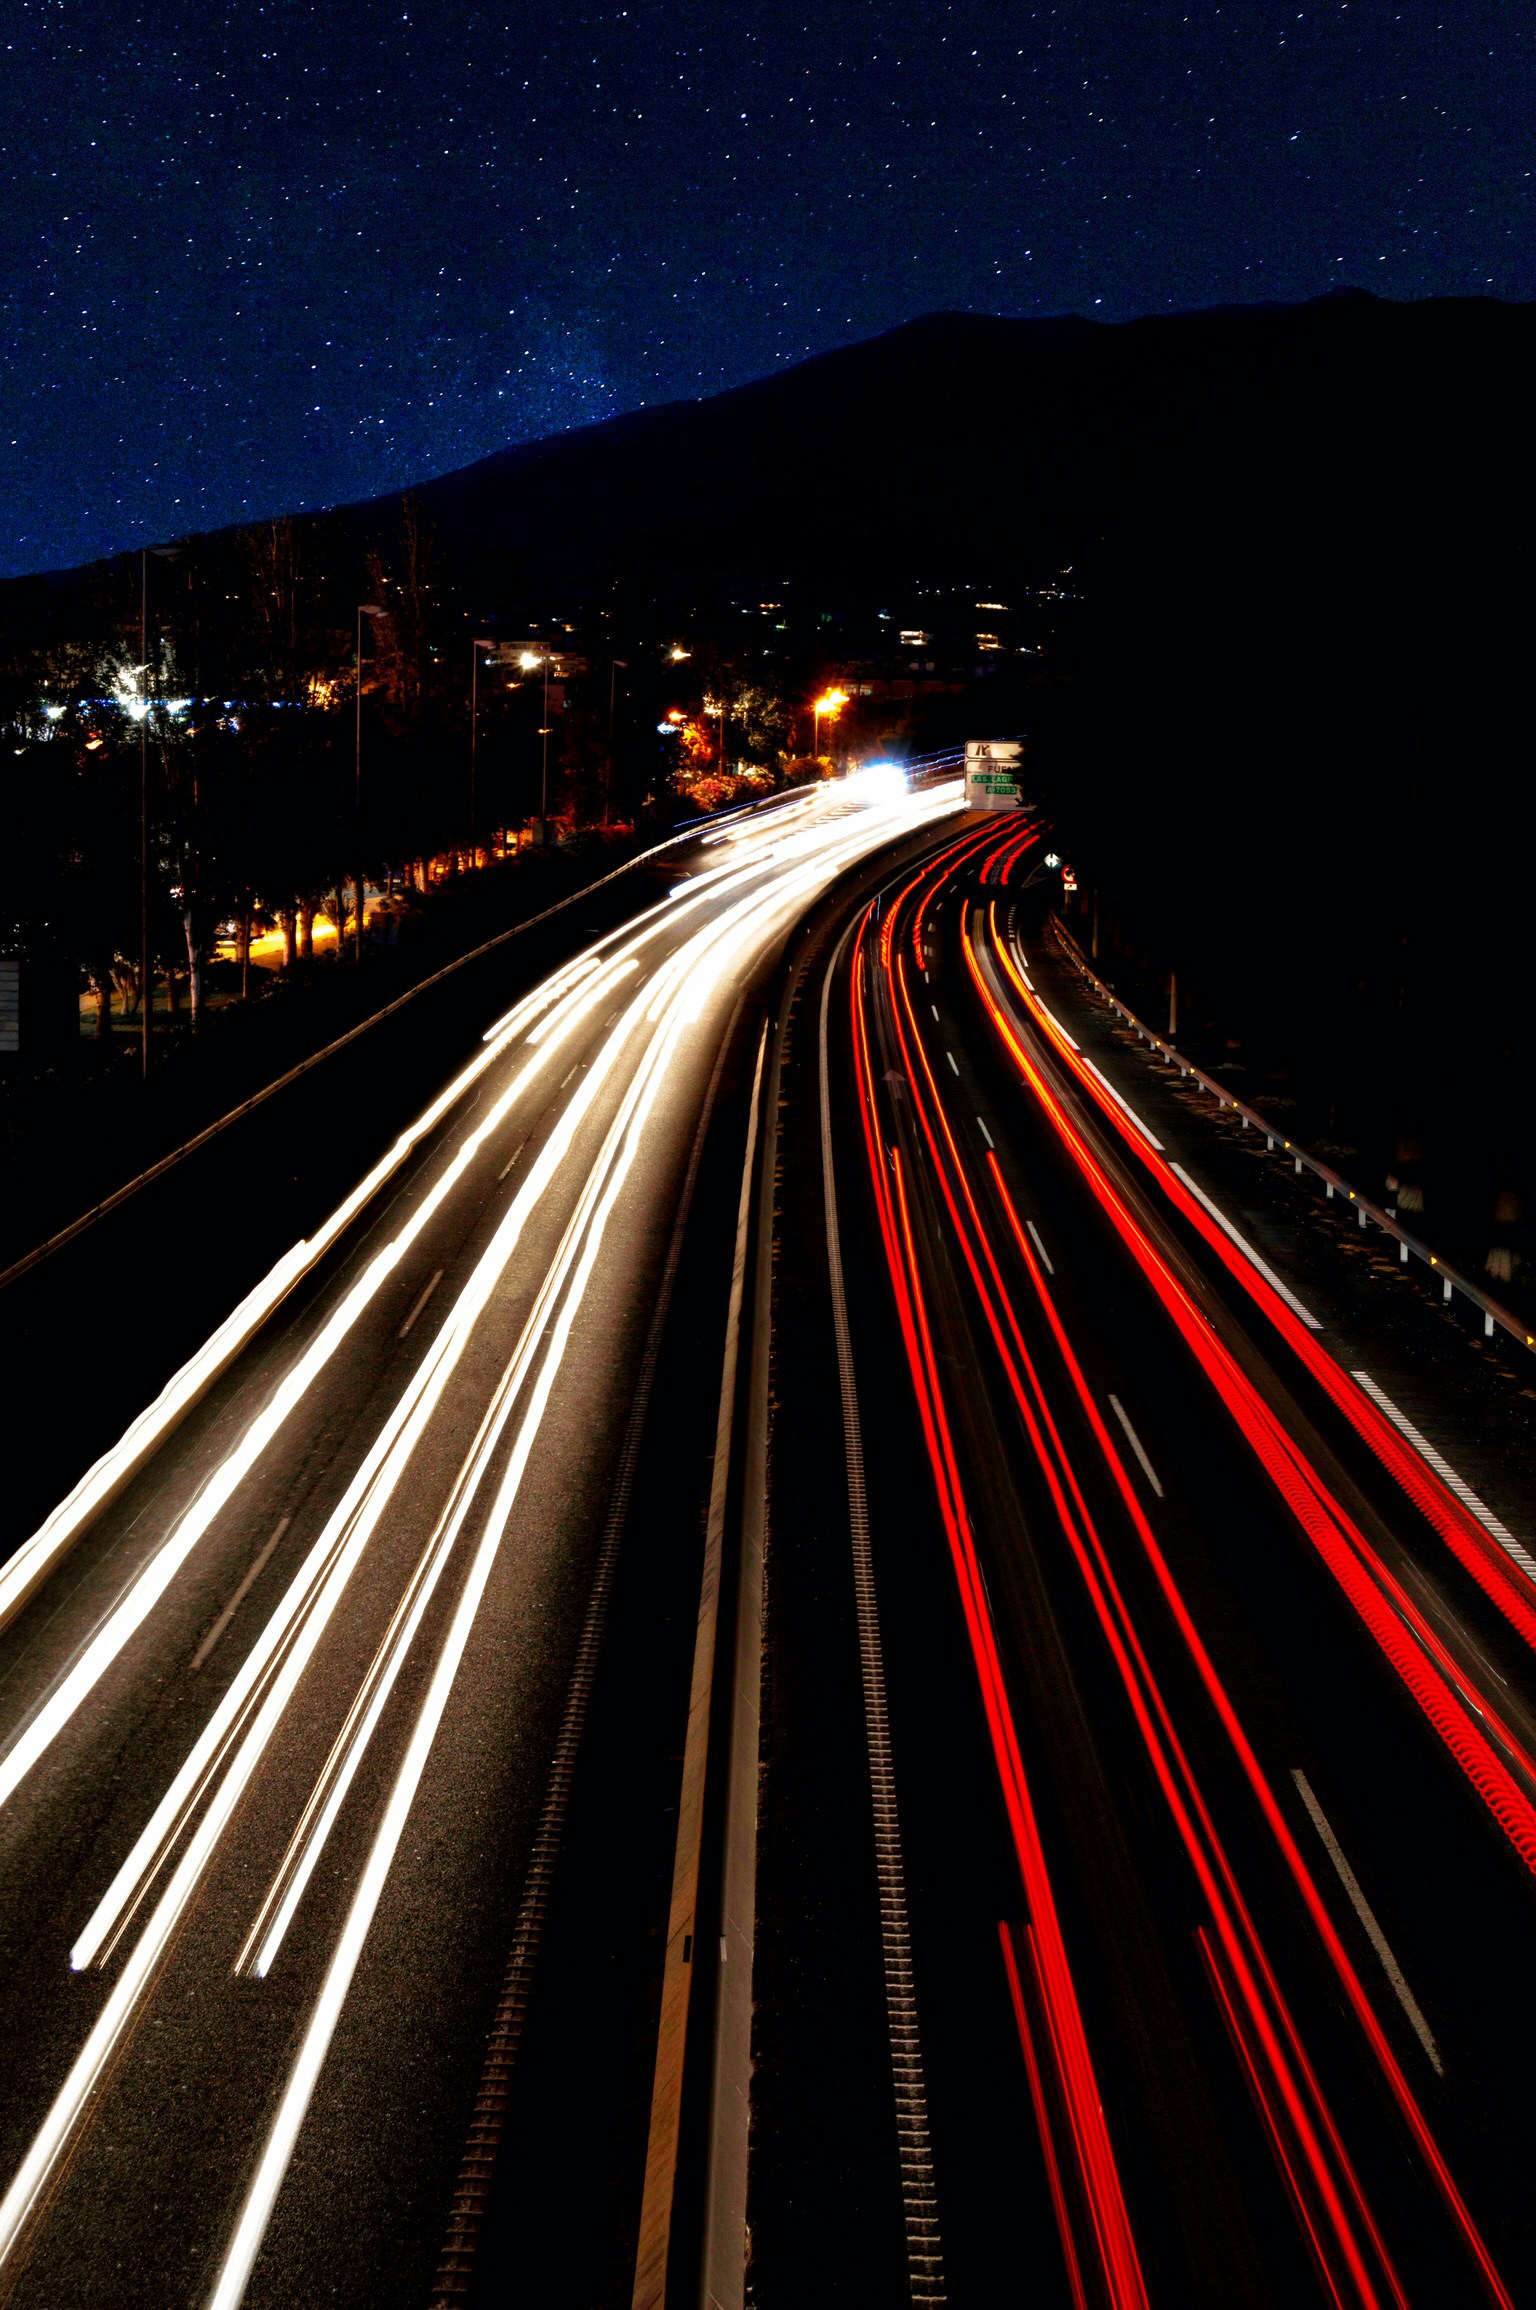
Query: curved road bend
x,y
1219,1897
271,1712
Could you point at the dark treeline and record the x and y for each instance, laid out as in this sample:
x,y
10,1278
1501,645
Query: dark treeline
x,y
1298,758
223,672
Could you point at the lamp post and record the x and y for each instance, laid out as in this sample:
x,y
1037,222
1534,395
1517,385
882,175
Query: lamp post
x,y
364,610
144,812
481,642
544,763
827,707
531,661
616,667
162,553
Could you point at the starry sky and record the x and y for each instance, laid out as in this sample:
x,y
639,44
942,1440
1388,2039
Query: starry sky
x,y
257,257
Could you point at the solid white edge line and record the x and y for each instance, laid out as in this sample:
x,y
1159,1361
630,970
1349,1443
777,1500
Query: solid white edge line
x,y
1367,1917
1312,1322
1047,1013
1124,1105
1136,1445
1448,1476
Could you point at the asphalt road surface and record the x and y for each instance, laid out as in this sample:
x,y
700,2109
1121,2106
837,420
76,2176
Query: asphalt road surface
x,y
1210,1702
278,1678
1147,1779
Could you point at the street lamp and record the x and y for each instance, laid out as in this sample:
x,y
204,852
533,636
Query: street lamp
x,y
825,708
531,661
144,813
364,610
161,553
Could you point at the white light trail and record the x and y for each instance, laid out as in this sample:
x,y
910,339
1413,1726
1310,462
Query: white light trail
x,y
246,1720
567,998
32,1562
134,1607
256,2212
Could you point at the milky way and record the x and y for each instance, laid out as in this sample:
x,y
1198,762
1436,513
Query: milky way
x,y
261,257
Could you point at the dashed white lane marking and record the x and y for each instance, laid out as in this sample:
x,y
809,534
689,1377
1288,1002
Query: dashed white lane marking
x,y
1448,1476
1367,1917
1136,1445
511,1159
1050,1266
951,1058
1311,1321
240,1595
427,1290
986,1134
934,1008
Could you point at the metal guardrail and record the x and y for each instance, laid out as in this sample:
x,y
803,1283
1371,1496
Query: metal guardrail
x,y
55,1242
1371,1214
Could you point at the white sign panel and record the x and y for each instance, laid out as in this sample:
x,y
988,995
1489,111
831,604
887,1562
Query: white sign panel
x,y
992,773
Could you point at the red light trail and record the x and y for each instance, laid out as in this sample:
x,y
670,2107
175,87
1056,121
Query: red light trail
x,y
1325,2189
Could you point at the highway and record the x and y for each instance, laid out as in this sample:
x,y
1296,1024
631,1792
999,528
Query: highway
x,y
1208,1703
281,1677
1137,1786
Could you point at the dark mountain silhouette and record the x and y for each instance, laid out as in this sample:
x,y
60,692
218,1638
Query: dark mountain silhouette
x,y
960,443
1295,745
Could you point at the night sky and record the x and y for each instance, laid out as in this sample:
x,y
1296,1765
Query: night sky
x,y
265,257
